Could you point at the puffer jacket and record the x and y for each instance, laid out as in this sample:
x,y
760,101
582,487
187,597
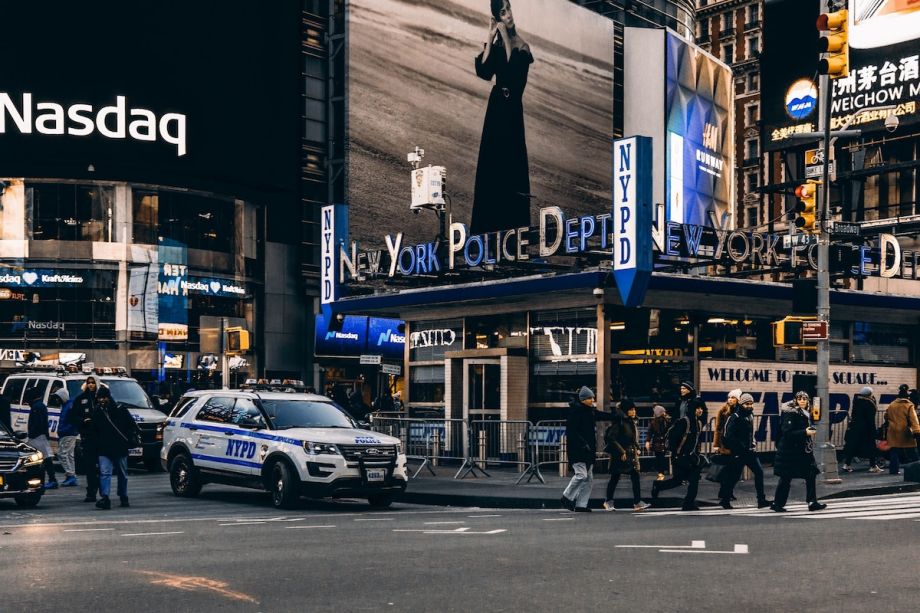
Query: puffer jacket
x,y
718,431
795,458
901,418
622,438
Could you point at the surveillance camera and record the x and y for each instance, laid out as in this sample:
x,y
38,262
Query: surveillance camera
x,y
598,292
892,122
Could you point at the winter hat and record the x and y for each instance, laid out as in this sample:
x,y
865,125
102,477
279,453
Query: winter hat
x,y
745,398
902,390
688,385
866,391
802,394
63,395
585,393
658,410
626,404
736,394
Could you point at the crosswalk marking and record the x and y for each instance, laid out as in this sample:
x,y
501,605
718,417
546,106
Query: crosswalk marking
x,y
903,506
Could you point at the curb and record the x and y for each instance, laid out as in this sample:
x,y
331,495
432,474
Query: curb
x,y
875,491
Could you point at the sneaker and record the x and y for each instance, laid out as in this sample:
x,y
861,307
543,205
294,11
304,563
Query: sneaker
x,y
725,503
661,477
764,503
875,469
51,485
847,468
104,503
608,506
124,501
582,510
70,481
567,504
690,507
640,506
89,498
816,506
777,509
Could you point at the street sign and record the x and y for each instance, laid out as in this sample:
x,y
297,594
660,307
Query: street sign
x,y
370,359
814,331
845,229
391,369
798,240
815,172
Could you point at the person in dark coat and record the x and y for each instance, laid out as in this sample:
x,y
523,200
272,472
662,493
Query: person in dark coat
x,y
116,433
581,442
795,458
657,440
859,440
5,413
80,417
686,461
738,439
39,434
622,443
689,401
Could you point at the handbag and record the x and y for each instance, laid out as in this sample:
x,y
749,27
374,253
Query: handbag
x,y
717,466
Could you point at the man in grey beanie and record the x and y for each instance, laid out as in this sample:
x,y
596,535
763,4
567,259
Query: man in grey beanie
x,y
581,442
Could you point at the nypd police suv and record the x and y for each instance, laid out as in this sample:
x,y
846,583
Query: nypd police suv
x,y
290,444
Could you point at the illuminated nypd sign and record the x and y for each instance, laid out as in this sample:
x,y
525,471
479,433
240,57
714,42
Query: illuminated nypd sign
x,y
632,217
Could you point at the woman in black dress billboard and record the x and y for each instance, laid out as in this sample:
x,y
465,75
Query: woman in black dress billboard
x,y
502,193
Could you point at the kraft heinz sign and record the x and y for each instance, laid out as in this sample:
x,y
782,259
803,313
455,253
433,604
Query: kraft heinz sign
x,y
632,217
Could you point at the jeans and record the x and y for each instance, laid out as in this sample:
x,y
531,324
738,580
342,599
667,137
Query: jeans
x,y
900,454
579,488
106,465
615,479
682,472
732,474
782,491
66,446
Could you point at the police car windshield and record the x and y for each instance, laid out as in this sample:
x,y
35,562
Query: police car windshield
x,y
305,414
128,392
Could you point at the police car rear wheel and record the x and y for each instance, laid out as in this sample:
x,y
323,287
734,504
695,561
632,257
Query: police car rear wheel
x,y
283,487
183,478
27,501
380,501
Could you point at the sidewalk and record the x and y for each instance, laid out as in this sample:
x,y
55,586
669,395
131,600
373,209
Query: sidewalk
x,y
499,490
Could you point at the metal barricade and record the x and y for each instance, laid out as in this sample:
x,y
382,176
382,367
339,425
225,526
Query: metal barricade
x,y
430,441
547,446
495,443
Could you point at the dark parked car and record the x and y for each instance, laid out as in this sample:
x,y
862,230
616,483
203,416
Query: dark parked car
x,y
21,474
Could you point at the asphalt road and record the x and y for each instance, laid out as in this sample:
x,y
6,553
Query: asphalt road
x,y
230,551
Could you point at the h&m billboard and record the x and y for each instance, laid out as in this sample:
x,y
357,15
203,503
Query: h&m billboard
x,y
884,68
516,105
189,94
681,96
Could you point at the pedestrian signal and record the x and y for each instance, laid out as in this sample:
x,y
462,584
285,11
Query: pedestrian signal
x,y
237,340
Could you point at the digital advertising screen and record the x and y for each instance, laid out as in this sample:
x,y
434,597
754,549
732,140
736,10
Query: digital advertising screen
x,y
884,76
517,107
197,95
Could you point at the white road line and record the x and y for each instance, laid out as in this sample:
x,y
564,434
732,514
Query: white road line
x,y
307,527
442,523
739,550
692,545
88,529
152,533
897,516
558,518
480,516
245,523
376,519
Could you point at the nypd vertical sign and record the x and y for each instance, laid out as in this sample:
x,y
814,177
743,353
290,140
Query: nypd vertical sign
x,y
632,217
333,230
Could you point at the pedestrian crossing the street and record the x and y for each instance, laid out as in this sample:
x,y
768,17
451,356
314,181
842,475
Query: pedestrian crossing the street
x,y
875,508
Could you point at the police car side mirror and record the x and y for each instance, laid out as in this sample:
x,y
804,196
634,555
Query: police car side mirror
x,y
251,424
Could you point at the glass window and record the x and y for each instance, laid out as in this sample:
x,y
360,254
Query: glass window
x,y
70,212
752,147
182,407
13,389
247,411
751,219
753,82
753,46
496,331
426,384
732,336
728,54
753,13
881,343
197,221
651,332
560,381
53,399
430,340
36,384
144,214
128,392
305,414
753,182
563,335
217,409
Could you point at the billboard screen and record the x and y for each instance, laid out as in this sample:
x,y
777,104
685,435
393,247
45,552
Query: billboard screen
x,y
884,68
681,97
188,94
518,109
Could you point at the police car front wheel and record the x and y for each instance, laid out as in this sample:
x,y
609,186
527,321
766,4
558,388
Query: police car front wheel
x,y
283,486
28,501
183,477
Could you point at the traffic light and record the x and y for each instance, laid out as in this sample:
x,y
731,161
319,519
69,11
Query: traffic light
x,y
834,44
237,340
787,333
806,207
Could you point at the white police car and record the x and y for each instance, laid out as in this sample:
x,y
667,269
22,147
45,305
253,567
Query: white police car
x,y
290,444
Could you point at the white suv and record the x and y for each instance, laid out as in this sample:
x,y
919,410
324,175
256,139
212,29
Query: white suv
x,y
289,444
125,390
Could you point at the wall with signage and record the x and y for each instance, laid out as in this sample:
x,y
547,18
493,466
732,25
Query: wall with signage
x,y
884,68
509,143
361,336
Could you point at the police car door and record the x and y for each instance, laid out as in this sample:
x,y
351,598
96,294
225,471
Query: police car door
x,y
244,447
209,433
19,414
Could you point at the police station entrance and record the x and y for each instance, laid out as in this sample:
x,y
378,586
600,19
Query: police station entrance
x,y
482,382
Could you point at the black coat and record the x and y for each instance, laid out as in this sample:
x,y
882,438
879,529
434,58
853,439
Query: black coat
x,y
38,419
622,437
80,416
686,405
581,432
5,415
794,456
739,432
860,435
114,429
686,434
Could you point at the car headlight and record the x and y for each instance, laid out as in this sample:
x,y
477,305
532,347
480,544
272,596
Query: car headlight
x,y
398,448
34,458
320,448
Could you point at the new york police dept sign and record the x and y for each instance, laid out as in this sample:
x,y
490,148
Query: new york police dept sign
x,y
632,217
